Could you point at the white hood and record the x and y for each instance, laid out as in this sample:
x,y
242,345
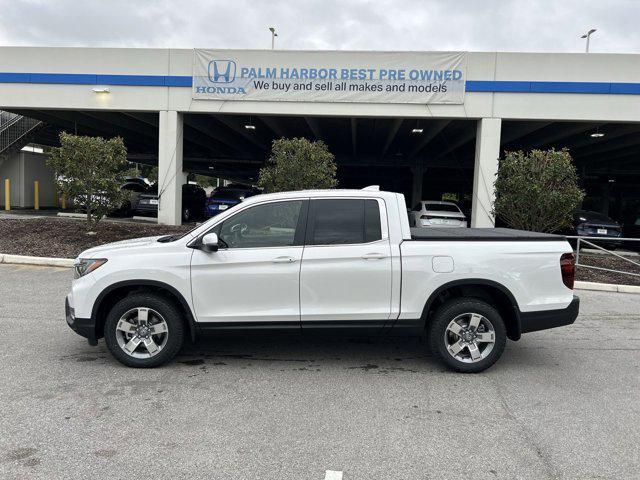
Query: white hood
x,y
100,250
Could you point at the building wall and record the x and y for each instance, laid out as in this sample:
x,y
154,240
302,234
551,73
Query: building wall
x,y
482,66
22,169
33,166
10,169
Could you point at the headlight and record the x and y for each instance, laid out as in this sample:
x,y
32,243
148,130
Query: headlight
x,y
84,266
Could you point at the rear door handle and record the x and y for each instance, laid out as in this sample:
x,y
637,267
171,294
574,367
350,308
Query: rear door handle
x,y
283,260
374,256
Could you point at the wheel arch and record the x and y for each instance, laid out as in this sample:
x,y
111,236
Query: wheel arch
x,y
495,293
117,291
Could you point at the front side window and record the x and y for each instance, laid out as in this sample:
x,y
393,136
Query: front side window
x,y
267,225
341,222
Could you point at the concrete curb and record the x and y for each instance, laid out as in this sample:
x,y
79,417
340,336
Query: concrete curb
x,y
145,219
607,287
71,215
42,261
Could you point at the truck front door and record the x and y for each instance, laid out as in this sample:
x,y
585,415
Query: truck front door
x,y
254,277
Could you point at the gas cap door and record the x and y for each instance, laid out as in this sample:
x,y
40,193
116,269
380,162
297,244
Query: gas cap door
x,y
442,264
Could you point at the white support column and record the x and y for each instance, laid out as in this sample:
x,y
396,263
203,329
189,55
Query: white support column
x,y
170,168
485,170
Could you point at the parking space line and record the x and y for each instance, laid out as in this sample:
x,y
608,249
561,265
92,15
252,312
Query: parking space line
x,y
332,475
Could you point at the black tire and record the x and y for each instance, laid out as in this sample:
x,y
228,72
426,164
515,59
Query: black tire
x,y
459,307
170,314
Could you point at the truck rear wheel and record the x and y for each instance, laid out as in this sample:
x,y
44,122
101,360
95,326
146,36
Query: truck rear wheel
x,y
144,330
467,334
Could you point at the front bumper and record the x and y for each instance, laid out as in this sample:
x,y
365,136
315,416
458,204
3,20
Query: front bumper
x,y
545,319
85,327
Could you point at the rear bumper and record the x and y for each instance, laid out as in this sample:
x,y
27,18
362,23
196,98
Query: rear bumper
x,y
545,319
85,327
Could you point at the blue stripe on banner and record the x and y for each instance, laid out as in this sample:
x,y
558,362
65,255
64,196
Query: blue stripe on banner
x,y
14,77
88,79
570,87
497,86
625,88
492,86
176,81
552,87
65,78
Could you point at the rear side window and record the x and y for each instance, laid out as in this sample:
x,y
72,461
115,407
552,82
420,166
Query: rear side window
x,y
343,221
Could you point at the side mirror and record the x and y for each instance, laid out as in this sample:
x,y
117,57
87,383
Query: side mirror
x,y
210,242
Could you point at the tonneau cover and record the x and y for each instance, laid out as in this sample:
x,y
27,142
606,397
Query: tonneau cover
x,y
481,234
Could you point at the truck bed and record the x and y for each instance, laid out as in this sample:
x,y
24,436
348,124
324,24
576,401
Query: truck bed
x,y
482,235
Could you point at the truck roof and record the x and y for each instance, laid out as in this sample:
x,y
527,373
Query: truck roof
x,y
321,193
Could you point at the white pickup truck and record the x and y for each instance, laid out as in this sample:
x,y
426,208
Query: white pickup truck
x,y
307,262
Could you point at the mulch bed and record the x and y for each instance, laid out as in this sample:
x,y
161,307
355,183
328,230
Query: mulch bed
x,y
608,261
66,238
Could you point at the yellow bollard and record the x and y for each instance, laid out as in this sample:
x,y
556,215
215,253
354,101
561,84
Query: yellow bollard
x,y
36,195
7,203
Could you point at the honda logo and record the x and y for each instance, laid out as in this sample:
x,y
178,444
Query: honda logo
x,y
222,71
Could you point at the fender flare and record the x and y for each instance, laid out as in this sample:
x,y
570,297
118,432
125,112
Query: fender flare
x,y
146,283
472,282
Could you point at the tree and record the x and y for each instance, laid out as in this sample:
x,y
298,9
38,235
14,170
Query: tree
x,y
537,191
91,170
298,164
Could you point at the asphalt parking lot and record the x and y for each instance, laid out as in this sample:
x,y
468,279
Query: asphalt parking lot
x,y
559,404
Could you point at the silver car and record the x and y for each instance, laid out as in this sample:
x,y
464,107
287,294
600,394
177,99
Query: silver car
x,y
433,213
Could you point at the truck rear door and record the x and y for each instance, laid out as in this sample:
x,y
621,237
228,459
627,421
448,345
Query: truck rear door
x,y
346,273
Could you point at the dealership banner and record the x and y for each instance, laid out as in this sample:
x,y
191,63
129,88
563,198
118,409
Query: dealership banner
x,y
322,76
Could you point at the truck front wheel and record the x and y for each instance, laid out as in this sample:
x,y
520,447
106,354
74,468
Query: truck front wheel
x,y
144,330
467,334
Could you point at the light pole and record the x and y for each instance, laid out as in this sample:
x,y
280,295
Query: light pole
x,y
588,36
273,37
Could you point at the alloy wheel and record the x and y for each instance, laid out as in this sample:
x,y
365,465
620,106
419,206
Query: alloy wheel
x,y
470,337
142,332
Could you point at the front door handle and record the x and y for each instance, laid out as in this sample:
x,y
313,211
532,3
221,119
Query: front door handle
x,y
283,260
374,256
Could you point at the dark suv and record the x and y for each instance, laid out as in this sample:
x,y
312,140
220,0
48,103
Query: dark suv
x,y
193,198
586,223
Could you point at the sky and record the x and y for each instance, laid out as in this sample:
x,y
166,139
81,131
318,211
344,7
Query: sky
x,y
472,25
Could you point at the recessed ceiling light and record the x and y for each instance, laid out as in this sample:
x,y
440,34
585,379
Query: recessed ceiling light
x,y
417,130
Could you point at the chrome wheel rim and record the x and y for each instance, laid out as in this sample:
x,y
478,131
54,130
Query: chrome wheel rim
x,y
142,332
470,337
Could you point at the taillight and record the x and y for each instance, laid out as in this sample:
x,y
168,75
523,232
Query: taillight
x,y
568,269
